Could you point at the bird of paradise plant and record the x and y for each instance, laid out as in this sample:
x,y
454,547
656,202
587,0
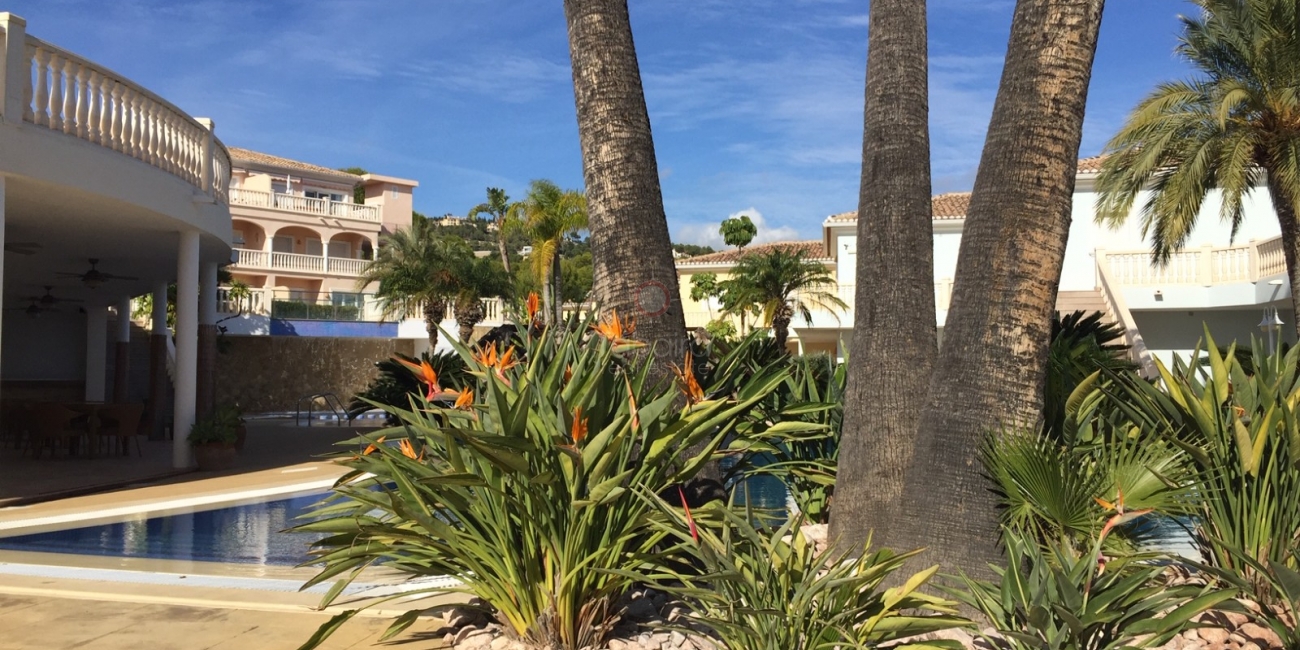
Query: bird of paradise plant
x,y
550,465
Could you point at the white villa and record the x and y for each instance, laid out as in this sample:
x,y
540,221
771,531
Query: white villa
x,y
1226,284
107,191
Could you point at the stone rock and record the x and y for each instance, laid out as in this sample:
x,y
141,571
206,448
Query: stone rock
x,y
676,639
641,609
473,638
500,643
1213,635
620,644
1261,635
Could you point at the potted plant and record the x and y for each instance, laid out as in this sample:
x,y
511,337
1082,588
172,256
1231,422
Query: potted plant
x,y
214,438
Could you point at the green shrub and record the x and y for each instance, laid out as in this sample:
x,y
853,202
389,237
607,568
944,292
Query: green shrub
x,y
395,383
1280,610
527,490
775,591
221,427
1058,599
803,458
1239,432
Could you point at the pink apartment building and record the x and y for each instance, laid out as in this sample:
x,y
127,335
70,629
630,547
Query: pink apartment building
x,y
298,232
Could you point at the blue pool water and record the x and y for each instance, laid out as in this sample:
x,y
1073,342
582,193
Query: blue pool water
x,y
244,534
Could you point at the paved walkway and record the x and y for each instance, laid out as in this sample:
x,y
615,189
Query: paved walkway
x,y
52,623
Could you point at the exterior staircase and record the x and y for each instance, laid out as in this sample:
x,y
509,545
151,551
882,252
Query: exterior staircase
x,y
1088,301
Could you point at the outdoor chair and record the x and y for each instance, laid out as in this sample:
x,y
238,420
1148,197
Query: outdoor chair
x,y
120,423
14,422
52,425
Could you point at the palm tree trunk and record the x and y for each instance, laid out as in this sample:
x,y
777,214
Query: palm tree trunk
x,y
1285,206
434,310
557,288
990,370
894,343
501,245
634,271
781,332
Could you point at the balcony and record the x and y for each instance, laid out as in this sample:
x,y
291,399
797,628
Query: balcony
x,y
305,205
250,260
1205,266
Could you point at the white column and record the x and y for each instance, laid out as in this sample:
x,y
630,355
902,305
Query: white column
x,y
96,352
124,320
15,73
208,295
187,346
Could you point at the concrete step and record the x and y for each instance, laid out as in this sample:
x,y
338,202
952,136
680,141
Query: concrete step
x,y
1088,301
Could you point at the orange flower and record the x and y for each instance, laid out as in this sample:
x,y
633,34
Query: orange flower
x,y
687,382
614,329
373,448
579,429
408,450
532,305
690,520
425,373
568,373
489,359
464,400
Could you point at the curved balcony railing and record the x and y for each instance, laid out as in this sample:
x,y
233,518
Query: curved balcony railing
x,y
1205,266
60,91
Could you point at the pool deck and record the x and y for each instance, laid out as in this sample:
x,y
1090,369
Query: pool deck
x,y
50,601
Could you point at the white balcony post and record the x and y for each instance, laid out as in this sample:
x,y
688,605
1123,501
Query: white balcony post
x,y
187,346
2,232
122,351
13,83
96,352
206,154
1205,265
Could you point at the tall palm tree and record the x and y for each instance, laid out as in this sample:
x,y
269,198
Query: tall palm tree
x,y
782,284
414,266
477,278
989,373
894,343
1234,124
546,216
498,207
633,269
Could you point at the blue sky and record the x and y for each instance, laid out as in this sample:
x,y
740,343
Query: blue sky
x,y
756,105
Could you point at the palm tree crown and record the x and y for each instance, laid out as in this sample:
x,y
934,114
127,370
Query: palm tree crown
x,y
1233,125
414,267
498,207
547,215
782,283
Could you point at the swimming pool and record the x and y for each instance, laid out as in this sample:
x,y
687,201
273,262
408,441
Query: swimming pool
x,y
246,533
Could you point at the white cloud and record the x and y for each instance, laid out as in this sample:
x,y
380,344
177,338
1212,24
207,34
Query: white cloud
x,y
706,234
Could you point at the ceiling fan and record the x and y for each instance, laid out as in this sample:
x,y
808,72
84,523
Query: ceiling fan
x,y
94,277
33,309
49,300
22,247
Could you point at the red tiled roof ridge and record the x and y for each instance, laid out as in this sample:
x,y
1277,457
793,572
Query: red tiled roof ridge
x,y
813,248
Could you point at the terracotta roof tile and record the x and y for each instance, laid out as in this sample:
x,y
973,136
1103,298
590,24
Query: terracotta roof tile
x,y
1090,165
952,205
814,249
239,155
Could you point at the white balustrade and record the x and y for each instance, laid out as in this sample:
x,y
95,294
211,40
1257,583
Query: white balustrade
x,y
251,259
296,262
251,304
1204,266
66,93
345,266
305,205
